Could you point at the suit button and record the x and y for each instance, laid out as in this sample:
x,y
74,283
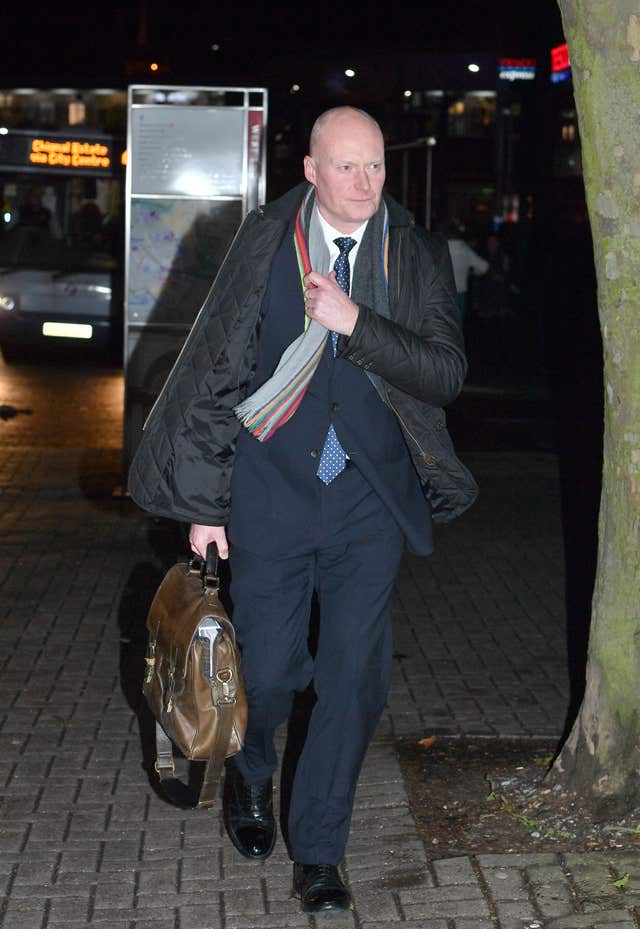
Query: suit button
x,y
314,452
335,407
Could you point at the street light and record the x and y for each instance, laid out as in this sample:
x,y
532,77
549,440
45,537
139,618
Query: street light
x,y
349,72
474,68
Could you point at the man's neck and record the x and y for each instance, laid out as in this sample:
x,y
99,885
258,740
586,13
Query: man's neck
x,y
332,231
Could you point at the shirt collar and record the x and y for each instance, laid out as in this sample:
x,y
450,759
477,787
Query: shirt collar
x,y
330,233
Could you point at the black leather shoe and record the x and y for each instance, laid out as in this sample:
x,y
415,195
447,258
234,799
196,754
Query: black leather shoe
x,y
248,814
320,888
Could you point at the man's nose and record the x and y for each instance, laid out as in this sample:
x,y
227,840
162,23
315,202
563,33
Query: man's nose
x,y
363,180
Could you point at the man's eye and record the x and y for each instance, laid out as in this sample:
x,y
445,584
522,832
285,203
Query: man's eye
x,y
344,168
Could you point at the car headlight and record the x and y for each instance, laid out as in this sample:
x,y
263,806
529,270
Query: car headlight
x,y
7,302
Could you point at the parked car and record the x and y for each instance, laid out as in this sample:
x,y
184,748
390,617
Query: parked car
x,y
54,291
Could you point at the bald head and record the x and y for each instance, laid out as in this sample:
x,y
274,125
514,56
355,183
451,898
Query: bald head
x,y
340,117
346,166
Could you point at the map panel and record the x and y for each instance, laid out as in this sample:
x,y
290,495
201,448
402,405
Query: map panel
x,y
176,248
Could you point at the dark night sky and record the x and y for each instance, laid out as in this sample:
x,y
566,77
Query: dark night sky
x,y
87,43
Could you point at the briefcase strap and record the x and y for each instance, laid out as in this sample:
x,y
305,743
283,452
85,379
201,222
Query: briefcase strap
x,y
179,793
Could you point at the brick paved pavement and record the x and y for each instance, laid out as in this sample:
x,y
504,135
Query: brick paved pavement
x,y
85,841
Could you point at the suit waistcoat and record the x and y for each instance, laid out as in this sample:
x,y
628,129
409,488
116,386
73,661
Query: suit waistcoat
x,y
275,489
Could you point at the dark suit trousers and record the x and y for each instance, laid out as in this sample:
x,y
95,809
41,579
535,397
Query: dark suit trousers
x,y
351,559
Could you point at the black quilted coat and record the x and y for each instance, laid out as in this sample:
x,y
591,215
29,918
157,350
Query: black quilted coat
x,y
182,468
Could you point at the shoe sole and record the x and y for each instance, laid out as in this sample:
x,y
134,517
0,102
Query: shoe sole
x,y
329,910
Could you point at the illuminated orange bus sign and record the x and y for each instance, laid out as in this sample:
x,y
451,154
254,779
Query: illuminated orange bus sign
x,y
69,154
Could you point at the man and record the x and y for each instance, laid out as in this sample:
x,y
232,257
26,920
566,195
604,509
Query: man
x,y
320,490
464,261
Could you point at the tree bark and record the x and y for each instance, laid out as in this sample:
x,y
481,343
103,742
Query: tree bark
x,y
601,757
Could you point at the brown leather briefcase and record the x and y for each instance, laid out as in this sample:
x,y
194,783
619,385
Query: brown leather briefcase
x,y
193,682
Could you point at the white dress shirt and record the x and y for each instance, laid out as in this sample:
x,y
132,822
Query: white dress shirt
x,y
330,234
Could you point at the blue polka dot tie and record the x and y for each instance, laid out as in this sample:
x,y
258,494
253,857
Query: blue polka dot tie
x,y
333,459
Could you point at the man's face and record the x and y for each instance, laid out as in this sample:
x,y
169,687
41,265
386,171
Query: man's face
x,y
346,166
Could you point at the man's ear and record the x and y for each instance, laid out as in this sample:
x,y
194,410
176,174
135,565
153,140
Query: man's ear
x,y
309,169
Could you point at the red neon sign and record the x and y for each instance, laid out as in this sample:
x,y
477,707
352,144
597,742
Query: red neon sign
x,y
560,58
517,62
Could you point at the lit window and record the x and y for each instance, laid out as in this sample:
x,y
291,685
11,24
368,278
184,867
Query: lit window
x,y
77,113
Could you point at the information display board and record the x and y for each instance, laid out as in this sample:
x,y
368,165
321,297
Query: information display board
x,y
188,151
195,167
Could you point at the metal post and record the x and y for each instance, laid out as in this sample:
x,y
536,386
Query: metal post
x,y
405,178
429,180
405,148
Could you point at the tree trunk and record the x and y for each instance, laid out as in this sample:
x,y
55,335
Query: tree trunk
x,y
601,757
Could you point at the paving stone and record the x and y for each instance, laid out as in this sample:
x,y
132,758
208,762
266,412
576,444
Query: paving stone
x,y
278,921
474,923
518,860
451,902
375,906
34,873
605,918
629,923
246,903
159,882
515,914
455,871
111,922
69,908
23,914
591,876
554,900
546,874
284,906
159,922
203,867
426,923
114,896
204,916
505,883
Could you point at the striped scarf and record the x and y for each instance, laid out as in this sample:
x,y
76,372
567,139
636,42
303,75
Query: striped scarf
x,y
275,402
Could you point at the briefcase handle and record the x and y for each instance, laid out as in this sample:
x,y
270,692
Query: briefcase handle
x,y
207,568
211,578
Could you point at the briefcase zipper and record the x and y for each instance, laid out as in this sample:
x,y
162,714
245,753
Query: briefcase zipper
x,y
150,660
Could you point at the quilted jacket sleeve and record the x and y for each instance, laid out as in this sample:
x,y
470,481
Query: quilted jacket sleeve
x,y
183,471
420,351
205,448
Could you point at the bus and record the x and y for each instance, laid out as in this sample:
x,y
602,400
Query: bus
x,y
61,239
